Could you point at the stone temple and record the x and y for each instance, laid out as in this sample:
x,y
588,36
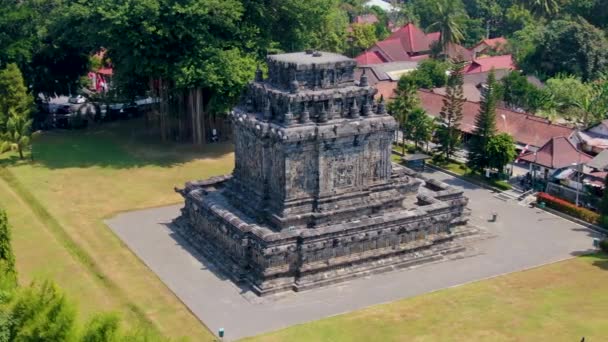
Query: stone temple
x,y
314,198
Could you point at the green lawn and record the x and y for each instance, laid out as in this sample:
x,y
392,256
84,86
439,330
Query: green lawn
x,y
464,171
559,302
79,178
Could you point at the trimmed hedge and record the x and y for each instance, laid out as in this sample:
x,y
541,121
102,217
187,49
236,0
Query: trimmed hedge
x,y
568,208
604,245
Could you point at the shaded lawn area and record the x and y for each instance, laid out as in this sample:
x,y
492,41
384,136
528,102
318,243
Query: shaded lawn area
x,y
79,178
559,302
466,172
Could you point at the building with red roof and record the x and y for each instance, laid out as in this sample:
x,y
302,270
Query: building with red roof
x,y
365,19
410,43
405,44
557,153
493,45
485,64
370,57
526,129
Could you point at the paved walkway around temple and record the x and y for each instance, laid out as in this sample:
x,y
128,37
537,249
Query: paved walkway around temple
x,y
525,238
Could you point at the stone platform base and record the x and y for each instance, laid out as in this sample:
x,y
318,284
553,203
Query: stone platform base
x,y
451,246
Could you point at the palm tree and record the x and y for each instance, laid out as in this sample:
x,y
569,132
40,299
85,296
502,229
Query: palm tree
x,y
594,105
405,102
543,8
449,18
17,136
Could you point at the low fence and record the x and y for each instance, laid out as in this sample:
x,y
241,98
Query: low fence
x,y
569,194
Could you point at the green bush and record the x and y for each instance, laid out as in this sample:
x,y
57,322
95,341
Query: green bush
x,y
502,185
604,245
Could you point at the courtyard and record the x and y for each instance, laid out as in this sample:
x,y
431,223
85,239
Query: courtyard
x,y
522,238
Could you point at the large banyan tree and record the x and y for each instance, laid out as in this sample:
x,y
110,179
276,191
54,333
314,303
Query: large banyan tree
x,y
197,55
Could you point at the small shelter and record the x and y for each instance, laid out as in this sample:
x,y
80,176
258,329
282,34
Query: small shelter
x,y
557,153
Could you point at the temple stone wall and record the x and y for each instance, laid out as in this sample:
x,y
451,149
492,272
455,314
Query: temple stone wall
x,y
314,198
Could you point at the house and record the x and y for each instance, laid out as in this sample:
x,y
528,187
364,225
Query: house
x,y
595,139
365,19
526,129
488,46
600,162
556,154
370,57
385,72
409,43
485,64
473,83
385,5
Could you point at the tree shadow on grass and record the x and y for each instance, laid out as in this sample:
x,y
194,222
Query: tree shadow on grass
x,y
601,260
118,145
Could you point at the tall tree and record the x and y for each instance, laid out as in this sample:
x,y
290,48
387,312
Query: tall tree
x,y
485,126
449,22
448,122
13,94
7,257
572,47
405,102
15,109
544,8
501,151
419,127
603,207
42,313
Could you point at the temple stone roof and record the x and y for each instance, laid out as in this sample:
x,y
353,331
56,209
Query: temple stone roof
x,y
309,59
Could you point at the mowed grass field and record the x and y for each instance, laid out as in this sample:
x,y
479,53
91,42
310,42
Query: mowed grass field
x,y
57,204
559,302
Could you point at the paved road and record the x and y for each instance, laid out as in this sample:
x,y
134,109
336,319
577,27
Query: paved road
x,y
525,238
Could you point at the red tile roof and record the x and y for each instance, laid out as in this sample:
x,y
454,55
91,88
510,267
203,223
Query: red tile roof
x,y
386,89
524,128
557,153
366,19
494,42
488,63
106,71
409,43
370,57
455,50
412,39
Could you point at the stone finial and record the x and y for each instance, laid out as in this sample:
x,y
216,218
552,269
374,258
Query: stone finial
x,y
354,110
363,80
288,119
294,86
332,110
367,108
323,114
381,106
267,110
305,116
259,76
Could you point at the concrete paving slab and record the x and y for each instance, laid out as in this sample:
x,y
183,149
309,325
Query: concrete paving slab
x,y
525,238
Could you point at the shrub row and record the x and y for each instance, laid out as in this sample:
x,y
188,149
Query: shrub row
x,y
604,245
568,208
